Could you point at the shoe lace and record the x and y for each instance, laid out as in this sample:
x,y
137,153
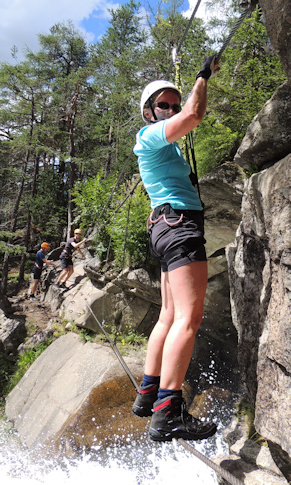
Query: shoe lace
x,y
184,413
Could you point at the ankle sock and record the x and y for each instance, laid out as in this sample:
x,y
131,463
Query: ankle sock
x,y
150,380
162,393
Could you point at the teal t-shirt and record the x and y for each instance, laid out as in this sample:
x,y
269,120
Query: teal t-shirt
x,y
163,169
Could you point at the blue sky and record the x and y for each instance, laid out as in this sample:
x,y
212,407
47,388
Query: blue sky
x,y
22,20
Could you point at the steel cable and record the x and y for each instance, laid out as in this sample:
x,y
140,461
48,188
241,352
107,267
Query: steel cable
x,y
115,350
218,469
233,30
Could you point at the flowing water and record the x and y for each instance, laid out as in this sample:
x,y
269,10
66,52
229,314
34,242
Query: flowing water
x,y
138,463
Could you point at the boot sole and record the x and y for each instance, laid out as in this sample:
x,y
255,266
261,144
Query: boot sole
x,y
156,435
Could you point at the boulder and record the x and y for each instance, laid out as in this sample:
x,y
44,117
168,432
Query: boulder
x,y
75,395
12,334
268,137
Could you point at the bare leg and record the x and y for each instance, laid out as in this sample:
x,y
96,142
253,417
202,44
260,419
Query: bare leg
x,y
172,340
159,333
70,271
188,285
62,275
33,287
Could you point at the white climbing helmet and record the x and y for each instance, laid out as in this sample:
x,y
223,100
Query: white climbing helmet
x,y
152,88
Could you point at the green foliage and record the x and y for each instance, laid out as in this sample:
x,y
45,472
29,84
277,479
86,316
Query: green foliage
x,y
10,374
128,231
214,143
250,73
122,233
125,337
48,207
93,201
6,370
7,247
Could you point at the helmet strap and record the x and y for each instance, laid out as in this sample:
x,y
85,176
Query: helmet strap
x,y
153,111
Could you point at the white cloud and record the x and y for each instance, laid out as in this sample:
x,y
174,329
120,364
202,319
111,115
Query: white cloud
x,y
22,20
201,11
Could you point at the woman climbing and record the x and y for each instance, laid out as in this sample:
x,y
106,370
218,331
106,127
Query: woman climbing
x,y
177,239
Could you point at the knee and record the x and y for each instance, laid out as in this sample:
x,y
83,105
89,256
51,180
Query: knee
x,y
166,319
192,323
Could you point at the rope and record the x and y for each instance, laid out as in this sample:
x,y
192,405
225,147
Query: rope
x,y
218,469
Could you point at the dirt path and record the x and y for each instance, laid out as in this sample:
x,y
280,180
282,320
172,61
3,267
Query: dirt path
x,y
35,312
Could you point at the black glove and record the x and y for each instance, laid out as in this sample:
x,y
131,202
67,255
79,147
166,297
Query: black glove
x,y
207,70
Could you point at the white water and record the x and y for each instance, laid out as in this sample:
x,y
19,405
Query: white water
x,y
138,463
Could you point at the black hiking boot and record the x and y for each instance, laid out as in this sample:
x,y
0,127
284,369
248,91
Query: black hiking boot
x,y
143,404
171,420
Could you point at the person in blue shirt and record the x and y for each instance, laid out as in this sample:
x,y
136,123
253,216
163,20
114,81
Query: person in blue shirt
x,y
40,260
176,231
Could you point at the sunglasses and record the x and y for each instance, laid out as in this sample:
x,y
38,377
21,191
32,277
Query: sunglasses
x,y
164,106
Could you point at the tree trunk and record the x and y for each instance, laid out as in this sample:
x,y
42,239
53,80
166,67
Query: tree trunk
x,y
109,153
71,116
5,267
28,223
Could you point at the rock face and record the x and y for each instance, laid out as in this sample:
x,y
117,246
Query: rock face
x,y
259,269
12,334
260,258
268,137
277,14
69,394
250,462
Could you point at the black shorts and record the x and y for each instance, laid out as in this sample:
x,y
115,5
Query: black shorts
x,y
36,273
177,237
65,261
